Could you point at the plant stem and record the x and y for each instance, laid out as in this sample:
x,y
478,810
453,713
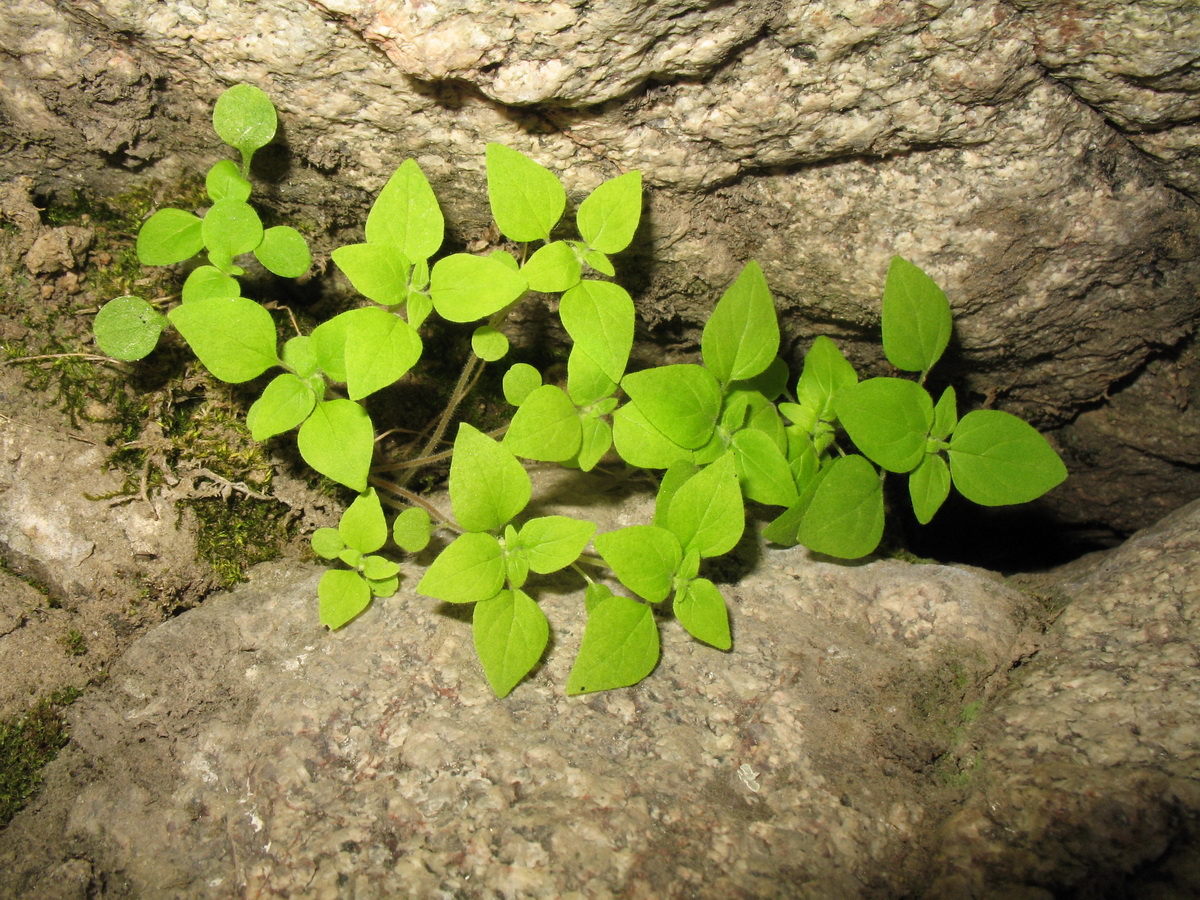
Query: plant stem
x,y
466,380
45,356
415,500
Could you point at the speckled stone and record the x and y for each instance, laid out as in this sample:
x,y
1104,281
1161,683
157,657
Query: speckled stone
x,y
242,750
1090,767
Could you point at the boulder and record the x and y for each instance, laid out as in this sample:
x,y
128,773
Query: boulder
x,y
1086,780
884,729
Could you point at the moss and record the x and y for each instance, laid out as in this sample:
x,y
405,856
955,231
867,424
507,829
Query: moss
x,y
74,643
27,743
237,532
162,419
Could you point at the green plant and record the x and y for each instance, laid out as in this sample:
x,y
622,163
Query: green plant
x,y
722,431
74,643
27,743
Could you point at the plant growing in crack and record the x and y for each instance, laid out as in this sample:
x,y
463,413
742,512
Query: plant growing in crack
x,y
721,431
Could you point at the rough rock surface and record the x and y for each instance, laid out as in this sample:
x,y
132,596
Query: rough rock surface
x,y
79,552
240,750
1089,767
1038,157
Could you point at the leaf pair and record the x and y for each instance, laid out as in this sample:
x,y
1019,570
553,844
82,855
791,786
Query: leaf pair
x,y
344,593
674,411
698,514
569,426
244,118
699,518
405,227
488,488
528,200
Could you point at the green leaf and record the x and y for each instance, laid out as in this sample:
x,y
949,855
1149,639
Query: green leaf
x,y
527,199
506,259
681,401
412,530
997,459
169,236
520,381
417,308
599,262
378,271
511,633
235,339
945,415
383,587
299,356
916,318
545,427
380,349
284,252
586,381
285,403
489,344
608,217
596,440
928,487
599,317
516,562
363,526
706,513
466,288
676,476
225,182
619,647
554,542
338,441
128,328
741,337
487,484
641,444
845,517
379,568
701,610
765,418
772,382
643,557
244,118
763,470
469,570
888,419
327,543
328,344
406,214
343,595
803,459
230,228
595,594
826,371
209,283
688,569
552,268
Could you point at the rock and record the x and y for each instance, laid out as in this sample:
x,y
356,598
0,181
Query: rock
x,y
1089,769
881,729
85,566
59,250
240,748
1039,159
